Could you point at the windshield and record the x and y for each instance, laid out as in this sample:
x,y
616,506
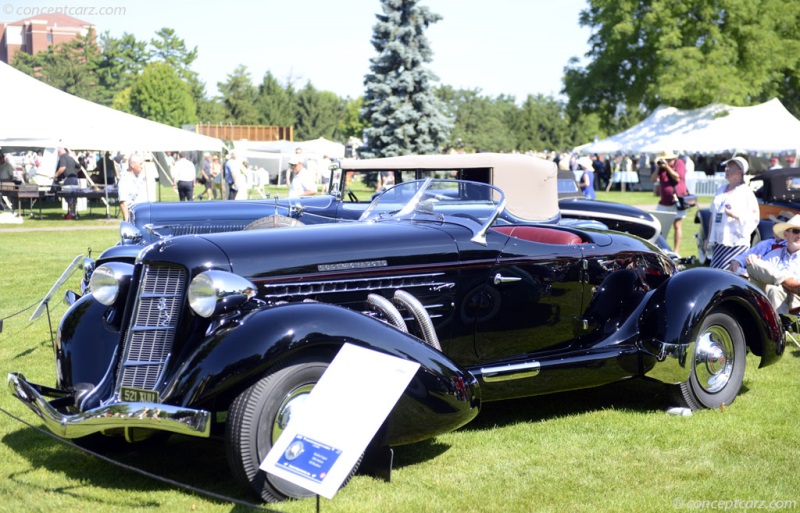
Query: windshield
x,y
478,203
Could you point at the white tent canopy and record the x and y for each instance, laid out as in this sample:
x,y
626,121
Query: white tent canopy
x,y
36,115
319,146
715,128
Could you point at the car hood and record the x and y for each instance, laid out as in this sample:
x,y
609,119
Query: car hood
x,y
298,253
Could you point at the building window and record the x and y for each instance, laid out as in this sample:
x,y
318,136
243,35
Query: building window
x,y
50,37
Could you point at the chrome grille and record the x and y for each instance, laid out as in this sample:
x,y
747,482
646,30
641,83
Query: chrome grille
x,y
198,229
149,340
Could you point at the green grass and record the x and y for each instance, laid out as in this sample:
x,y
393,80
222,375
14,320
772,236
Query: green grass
x,y
604,450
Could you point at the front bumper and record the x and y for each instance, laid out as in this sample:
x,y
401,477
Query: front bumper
x,y
118,415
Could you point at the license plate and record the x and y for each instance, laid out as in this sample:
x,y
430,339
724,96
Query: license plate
x,y
137,395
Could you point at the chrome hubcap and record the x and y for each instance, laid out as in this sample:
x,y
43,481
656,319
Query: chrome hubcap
x,y
713,360
291,403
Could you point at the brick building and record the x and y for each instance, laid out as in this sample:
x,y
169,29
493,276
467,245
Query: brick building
x,y
37,33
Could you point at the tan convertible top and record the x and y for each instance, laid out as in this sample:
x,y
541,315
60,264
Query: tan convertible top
x,y
529,183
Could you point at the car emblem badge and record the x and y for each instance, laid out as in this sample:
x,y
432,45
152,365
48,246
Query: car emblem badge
x,y
164,316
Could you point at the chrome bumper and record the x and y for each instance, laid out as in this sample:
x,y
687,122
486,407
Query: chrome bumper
x,y
119,415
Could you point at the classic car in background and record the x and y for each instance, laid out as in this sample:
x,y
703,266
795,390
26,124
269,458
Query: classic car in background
x,y
778,193
354,183
225,334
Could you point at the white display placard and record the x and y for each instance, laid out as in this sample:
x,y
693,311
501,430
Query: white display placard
x,y
326,437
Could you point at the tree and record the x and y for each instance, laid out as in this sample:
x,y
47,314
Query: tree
x,y
119,64
68,66
239,97
479,122
276,104
169,48
351,124
159,94
400,107
318,113
646,53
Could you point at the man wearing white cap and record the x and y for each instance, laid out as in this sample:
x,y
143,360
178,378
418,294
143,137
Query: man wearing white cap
x,y
302,180
778,272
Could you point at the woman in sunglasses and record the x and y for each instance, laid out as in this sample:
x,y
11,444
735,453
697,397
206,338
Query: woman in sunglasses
x,y
734,216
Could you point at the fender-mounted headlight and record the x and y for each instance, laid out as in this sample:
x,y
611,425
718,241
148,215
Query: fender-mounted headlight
x,y
110,281
129,234
215,292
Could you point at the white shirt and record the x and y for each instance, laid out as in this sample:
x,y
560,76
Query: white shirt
x,y
302,182
132,189
726,230
183,171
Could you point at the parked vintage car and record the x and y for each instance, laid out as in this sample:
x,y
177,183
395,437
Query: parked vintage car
x,y
224,334
778,193
352,186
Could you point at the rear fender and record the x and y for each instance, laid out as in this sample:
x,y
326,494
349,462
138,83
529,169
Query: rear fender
x,y
441,397
676,309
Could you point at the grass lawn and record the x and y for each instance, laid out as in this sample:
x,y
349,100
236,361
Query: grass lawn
x,y
604,450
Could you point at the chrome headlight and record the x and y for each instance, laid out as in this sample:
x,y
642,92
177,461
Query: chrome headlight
x,y
129,234
215,292
110,280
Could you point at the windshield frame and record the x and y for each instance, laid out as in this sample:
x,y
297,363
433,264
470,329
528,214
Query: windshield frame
x,y
425,197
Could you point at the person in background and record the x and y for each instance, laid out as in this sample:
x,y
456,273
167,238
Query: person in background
x,y
108,167
216,178
670,174
6,175
303,182
183,175
205,176
68,167
738,264
774,163
777,272
600,171
587,178
734,216
132,186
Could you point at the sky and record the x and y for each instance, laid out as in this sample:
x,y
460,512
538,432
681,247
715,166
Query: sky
x,y
511,47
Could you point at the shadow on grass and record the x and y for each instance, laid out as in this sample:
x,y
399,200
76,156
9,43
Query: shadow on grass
x,y
198,463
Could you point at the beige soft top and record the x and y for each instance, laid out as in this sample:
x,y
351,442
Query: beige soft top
x,y
529,183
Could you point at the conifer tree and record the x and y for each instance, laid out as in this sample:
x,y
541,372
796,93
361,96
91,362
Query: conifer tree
x,y
402,112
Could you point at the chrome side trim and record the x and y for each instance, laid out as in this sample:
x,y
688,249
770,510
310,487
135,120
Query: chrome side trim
x,y
674,362
509,372
307,288
161,417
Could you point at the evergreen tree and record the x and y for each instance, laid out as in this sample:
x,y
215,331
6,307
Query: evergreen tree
x,y
318,114
400,107
169,48
275,104
239,97
119,64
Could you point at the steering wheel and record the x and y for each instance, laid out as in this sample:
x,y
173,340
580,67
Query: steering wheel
x,y
352,196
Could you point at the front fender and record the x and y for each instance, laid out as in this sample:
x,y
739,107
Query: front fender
x,y
441,397
674,312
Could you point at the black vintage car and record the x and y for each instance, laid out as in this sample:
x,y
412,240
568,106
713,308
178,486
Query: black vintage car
x,y
354,183
224,334
778,193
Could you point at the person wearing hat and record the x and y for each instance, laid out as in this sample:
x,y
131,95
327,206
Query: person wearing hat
x,y
302,180
774,163
777,273
587,178
734,216
738,264
670,173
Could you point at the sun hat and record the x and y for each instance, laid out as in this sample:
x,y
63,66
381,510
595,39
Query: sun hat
x,y
779,228
667,155
585,162
294,160
742,163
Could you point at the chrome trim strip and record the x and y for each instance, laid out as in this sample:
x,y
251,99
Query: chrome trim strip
x,y
509,372
306,288
162,417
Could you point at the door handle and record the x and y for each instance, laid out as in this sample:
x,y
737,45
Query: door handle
x,y
499,278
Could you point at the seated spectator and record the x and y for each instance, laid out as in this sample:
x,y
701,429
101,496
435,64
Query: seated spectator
x,y
778,272
738,263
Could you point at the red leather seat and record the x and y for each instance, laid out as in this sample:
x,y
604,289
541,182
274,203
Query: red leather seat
x,y
540,234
